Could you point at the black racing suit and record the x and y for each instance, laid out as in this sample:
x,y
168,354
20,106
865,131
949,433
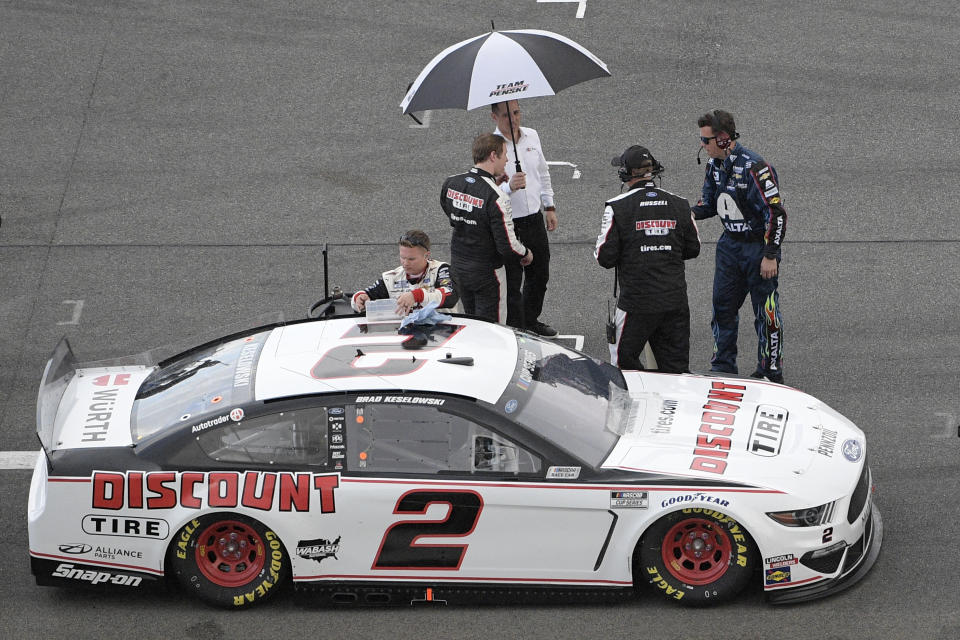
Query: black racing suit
x,y
647,233
483,236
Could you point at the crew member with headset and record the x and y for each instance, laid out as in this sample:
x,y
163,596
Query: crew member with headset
x,y
647,233
743,191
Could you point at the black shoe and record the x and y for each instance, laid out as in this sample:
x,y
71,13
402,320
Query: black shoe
x,y
542,329
772,377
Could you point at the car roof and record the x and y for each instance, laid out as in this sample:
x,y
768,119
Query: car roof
x,y
349,354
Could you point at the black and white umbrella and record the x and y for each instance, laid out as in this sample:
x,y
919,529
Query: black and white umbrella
x,y
501,65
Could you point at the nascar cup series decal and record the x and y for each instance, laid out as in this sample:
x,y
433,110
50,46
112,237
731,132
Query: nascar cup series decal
x,y
628,500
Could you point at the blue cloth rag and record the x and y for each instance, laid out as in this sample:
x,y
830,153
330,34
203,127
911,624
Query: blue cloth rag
x,y
427,314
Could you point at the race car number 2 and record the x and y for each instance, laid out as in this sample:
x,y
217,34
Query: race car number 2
x,y
400,548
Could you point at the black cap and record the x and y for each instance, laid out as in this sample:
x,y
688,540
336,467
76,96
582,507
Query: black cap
x,y
635,157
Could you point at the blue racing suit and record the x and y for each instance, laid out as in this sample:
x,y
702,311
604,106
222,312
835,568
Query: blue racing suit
x,y
743,191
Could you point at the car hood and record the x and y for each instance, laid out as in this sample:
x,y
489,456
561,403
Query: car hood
x,y
733,430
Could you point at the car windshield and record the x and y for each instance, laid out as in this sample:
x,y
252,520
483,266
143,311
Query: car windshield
x,y
562,395
201,383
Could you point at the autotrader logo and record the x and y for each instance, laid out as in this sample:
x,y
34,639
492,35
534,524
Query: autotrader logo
x,y
75,548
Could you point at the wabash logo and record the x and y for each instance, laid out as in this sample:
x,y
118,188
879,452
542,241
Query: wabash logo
x,y
265,491
318,549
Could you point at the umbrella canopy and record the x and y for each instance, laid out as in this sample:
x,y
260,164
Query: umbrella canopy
x,y
501,65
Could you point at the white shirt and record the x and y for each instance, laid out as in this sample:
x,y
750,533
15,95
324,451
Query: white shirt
x,y
539,191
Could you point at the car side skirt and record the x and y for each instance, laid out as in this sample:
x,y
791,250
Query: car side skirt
x,y
56,572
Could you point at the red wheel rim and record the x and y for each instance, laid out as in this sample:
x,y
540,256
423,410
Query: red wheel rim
x,y
696,551
230,553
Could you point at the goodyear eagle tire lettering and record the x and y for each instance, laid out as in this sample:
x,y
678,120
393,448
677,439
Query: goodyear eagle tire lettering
x,y
695,557
228,560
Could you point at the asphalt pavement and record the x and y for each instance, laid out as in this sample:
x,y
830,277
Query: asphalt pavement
x,y
168,168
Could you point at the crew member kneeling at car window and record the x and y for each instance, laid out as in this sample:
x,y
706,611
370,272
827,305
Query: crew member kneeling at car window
x,y
417,281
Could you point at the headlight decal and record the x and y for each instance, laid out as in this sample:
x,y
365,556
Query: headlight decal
x,y
810,517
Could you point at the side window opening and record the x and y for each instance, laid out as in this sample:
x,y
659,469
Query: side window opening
x,y
423,439
288,437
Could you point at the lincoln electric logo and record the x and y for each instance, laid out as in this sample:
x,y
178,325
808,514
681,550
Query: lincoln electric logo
x,y
510,88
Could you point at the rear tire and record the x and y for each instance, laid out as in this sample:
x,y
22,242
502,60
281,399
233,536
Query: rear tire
x,y
229,560
696,557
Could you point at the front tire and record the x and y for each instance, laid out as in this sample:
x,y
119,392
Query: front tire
x,y
696,557
229,560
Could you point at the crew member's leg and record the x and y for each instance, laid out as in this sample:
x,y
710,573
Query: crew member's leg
x,y
767,322
491,295
464,289
670,341
729,292
514,280
537,273
632,338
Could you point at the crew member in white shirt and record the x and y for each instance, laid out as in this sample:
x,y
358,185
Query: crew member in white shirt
x,y
534,213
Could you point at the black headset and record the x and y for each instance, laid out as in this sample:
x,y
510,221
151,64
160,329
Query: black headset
x,y
655,171
724,138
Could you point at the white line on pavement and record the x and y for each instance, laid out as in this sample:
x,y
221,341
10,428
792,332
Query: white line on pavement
x,y
17,459
577,340
582,9
561,163
77,310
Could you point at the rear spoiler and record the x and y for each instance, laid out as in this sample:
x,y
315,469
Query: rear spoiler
x,y
59,371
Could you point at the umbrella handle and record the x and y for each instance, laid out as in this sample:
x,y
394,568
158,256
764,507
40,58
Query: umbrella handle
x,y
513,138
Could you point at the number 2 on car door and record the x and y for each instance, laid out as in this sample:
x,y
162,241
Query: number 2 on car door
x,y
399,548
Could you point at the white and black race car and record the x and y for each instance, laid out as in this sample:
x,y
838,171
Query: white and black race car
x,y
459,460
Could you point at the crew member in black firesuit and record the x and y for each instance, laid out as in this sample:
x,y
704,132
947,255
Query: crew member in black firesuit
x,y
647,233
479,213
743,191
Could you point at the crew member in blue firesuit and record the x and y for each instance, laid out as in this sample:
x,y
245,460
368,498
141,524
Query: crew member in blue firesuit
x,y
742,189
